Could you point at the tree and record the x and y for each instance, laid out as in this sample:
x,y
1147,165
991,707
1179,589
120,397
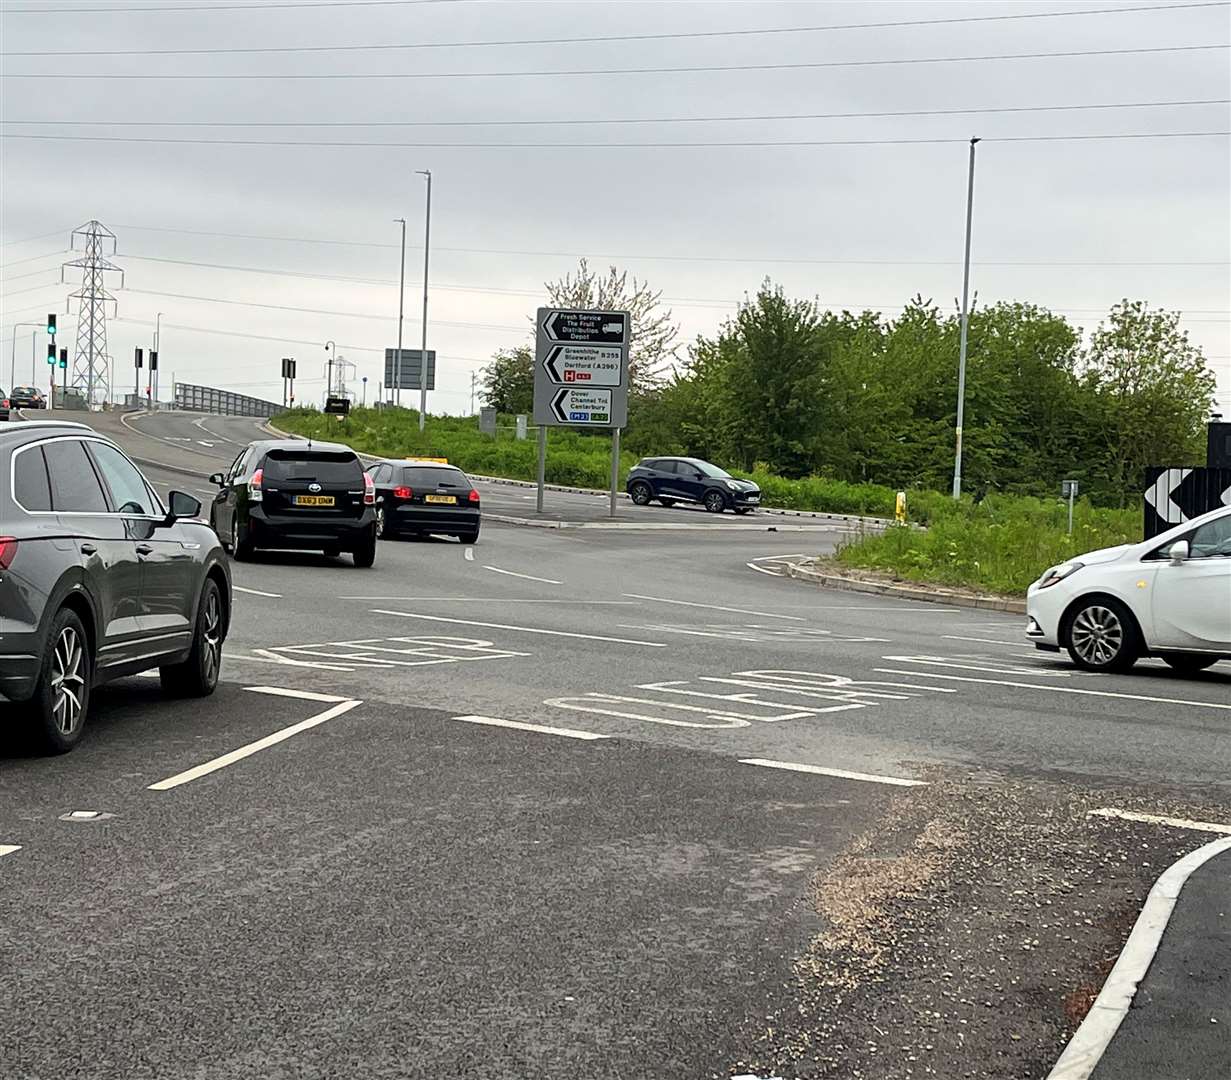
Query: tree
x,y
1152,394
508,381
652,347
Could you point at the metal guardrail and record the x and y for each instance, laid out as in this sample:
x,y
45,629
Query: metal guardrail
x,y
211,399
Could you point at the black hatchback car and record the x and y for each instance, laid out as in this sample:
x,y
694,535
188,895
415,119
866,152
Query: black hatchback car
x,y
288,493
98,579
672,480
424,497
27,397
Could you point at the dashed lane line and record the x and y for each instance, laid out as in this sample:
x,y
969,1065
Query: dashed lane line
x,y
257,592
1158,819
521,629
844,774
542,729
212,766
524,577
468,554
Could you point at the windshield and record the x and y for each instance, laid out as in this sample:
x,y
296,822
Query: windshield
x,y
419,476
711,470
321,466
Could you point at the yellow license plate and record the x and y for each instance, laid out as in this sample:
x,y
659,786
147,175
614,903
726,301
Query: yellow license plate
x,y
313,500
449,500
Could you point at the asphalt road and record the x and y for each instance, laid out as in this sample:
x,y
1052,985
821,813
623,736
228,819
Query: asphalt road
x,y
399,892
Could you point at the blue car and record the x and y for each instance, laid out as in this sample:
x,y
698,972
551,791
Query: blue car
x,y
691,480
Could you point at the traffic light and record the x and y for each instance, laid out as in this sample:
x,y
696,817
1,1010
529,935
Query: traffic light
x,y
153,359
51,323
139,353
63,359
51,353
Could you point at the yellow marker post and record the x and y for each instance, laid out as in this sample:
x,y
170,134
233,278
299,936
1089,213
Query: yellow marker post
x,y
899,508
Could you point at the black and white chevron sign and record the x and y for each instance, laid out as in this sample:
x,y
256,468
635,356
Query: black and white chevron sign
x,y
1175,495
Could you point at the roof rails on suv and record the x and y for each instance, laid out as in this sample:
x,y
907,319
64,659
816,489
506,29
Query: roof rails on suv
x,y
28,424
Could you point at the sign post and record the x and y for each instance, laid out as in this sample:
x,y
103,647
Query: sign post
x,y
1068,490
581,378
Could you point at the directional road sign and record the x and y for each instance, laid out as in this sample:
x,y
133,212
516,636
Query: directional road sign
x,y
581,368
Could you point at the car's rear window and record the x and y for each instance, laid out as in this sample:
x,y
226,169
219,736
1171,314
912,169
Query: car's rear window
x,y
423,476
325,467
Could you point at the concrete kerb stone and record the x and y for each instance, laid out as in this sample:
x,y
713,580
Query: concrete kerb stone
x,y
903,592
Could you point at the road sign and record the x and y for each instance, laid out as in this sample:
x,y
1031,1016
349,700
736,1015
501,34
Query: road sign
x,y
592,365
1173,496
581,368
405,375
592,327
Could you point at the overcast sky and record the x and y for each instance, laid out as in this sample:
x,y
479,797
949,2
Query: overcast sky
x,y
857,225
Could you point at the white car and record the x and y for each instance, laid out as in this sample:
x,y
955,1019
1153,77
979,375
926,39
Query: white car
x,y
1168,597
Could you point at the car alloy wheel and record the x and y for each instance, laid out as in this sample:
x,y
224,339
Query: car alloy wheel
x,y
211,632
715,503
67,681
640,494
1097,635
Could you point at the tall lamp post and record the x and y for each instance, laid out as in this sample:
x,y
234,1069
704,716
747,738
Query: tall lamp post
x,y
397,369
332,357
157,341
961,363
33,352
427,243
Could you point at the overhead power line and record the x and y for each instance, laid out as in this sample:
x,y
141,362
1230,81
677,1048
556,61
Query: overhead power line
x,y
596,39
34,258
254,5
800,66
602,255
594,121
573,147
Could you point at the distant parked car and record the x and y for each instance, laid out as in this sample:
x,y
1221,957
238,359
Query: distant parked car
x,y
671,480
98,580
4,405
27,397
423,497
288,493
1169,596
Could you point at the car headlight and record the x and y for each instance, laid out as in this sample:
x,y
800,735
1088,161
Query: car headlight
x,y
1058,573
733,485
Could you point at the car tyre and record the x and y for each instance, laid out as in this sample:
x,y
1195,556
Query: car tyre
x,y
61,701
1102,635
382,525
471,537
365,554
1189,663
715,502
198,675
640,493
241,541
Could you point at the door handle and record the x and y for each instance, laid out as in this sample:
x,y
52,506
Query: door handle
x,y
89,549
144,549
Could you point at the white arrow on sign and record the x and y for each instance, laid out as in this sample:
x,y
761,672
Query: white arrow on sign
x,y
593,365
1159,496
582,406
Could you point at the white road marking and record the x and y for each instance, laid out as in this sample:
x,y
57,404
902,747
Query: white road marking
x,y
200,422
716,607
8,849
1157,819
772,558
591,703
257,592
1056,689
870,778
494,600
989,641
985,664
468,554
222,762
282,691
542,729
526,577
764,570
264,656
521,629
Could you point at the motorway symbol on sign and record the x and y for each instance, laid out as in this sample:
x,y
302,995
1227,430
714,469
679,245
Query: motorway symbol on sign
x,y
573,406
593,327
593,365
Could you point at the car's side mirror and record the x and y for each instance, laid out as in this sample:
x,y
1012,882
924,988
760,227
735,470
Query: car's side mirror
x,y
1178,552
182,505
218,479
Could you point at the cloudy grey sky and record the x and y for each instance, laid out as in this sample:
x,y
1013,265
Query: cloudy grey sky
x,y
1074,225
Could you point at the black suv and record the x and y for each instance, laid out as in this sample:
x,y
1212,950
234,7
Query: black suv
x,y
98,579
672,480
288,493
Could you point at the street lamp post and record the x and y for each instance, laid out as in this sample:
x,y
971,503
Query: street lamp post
x,y
961,364
397,367
363,403
332,357
157,342
427,241
33,353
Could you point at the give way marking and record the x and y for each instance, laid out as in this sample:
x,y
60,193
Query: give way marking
x,y
339,706
8,849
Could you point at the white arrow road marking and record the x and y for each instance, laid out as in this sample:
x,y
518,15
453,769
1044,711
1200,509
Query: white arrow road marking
x,y
715,607
542,729
521,629
204,769
1159,496
592,703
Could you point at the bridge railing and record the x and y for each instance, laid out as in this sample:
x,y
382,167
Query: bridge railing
x,y
212,399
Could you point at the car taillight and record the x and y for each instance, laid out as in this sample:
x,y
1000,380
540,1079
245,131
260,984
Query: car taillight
x,y
8,551
5,403
403,492
473,496
254,486
369,491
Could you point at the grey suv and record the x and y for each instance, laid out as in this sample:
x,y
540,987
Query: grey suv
x,y
98,579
